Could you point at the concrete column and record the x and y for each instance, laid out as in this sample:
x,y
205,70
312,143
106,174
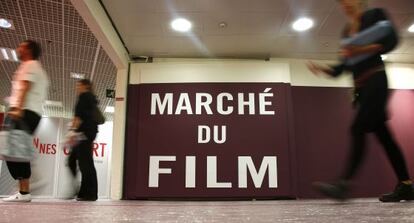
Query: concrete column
x,y
118,138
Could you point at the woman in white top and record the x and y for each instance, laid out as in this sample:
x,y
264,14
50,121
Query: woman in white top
x,y
29,91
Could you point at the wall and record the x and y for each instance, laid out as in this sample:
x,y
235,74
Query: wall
x,y
400,76
1,123
202,71
1,118
117,161
320,109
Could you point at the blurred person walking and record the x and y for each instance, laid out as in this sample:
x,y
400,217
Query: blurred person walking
x,y
29,90
370,99
84,129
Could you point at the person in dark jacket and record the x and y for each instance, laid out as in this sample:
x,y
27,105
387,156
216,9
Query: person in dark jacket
x,y
84,123
370,99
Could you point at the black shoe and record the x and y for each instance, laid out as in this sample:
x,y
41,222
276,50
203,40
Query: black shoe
x,y
337,191
401,192
86,199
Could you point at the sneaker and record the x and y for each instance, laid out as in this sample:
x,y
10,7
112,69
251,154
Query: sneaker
x,y
338,191
401,192
18,197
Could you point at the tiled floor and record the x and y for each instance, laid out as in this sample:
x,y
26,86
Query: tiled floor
x,y
60,211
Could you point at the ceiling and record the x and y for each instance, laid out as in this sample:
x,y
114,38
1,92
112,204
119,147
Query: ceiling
x,y
68,46
255,28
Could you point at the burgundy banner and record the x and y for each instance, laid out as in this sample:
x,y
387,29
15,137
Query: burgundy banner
x,y
1,118
207,140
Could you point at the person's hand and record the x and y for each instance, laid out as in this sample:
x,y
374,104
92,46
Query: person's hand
x,y
314,68
70,138
16,113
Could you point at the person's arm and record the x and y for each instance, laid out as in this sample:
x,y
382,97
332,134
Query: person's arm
x,y
390,41
333,71
76,121
18,111
80,109
27,77
382,46
83,109
351,51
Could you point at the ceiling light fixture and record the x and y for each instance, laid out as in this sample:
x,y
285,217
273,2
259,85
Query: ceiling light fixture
x,y
411,29
110,109
8,54
5,55
53,103
302,24
14,55
181,25
4,23
222,25
77,75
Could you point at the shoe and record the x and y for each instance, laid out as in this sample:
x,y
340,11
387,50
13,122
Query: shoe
x,y
401,192
18,197
338,191
86,199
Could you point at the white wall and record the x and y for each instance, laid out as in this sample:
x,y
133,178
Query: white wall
x,y
117,160
301,76
400,76
294,71
199,70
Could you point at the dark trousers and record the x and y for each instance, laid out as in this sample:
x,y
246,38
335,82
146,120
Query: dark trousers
x,y
22,170
371,117
82,153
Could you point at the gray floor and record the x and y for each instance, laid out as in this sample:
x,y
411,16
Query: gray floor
x,y
60,211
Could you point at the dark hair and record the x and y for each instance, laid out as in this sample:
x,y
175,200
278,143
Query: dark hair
x,y
34,48
87,83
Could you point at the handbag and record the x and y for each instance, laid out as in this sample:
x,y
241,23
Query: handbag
x,y
16,145
98,116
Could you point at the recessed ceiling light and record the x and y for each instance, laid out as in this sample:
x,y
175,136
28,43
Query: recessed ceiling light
x,y
53,103
302,24
181,25
8,54
4,23
411,29
77,75
14,55
222,25
110,109
384,57
5,55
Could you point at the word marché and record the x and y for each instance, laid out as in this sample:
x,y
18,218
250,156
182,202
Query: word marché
x,y
201,103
